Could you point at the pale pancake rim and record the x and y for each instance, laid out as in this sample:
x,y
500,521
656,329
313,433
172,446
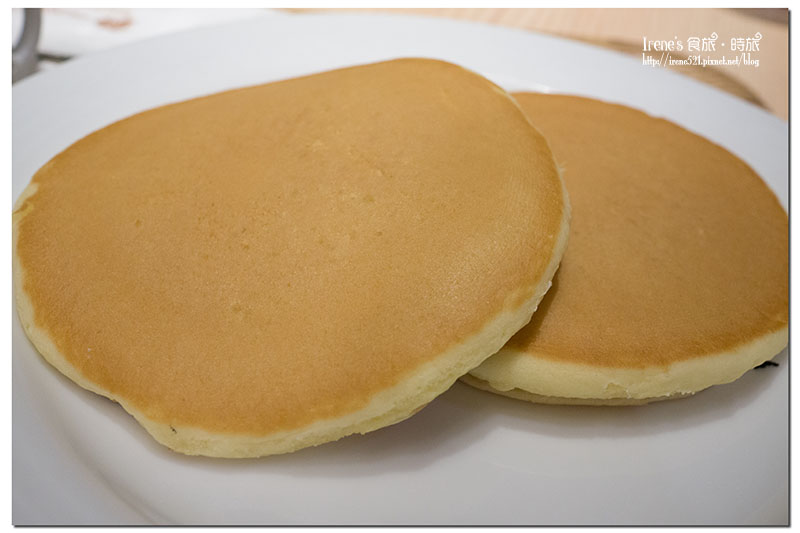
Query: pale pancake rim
x,y
518,374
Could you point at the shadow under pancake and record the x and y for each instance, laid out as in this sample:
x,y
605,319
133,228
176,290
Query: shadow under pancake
x,y
586,422
456,420
37,373
438,431
463,416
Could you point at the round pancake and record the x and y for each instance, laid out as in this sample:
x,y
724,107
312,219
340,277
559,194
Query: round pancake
x,y
274,267
676,274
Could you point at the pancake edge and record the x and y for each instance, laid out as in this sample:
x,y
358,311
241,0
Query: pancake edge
x,y
519,394
389,406
536,378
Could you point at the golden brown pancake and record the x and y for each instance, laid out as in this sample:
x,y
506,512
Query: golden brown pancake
x,y
676,274
274,267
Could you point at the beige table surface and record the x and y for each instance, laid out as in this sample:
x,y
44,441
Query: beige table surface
x,y
623,30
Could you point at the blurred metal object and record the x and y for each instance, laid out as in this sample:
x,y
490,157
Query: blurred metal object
x,y
23,54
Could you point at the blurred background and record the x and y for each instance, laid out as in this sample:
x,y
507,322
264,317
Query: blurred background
x,y
44,38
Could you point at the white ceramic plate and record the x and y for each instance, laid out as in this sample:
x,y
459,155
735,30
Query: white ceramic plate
x,y
470,457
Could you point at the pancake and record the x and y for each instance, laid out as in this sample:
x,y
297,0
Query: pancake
x,y
676,274
274,267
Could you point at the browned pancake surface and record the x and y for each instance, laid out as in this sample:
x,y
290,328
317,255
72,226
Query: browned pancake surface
x,y
262,258
677,248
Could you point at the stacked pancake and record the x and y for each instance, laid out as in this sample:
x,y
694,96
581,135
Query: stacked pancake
x,y
274,267
271,268
676,274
